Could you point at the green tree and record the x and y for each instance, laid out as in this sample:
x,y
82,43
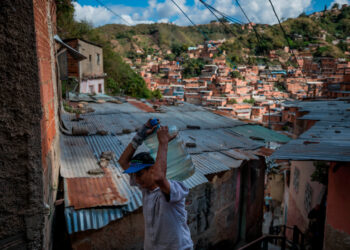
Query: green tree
x,y
250,101
232,101
192,67
236,74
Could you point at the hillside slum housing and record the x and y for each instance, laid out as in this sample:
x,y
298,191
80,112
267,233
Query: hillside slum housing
x,y
226,191
324,145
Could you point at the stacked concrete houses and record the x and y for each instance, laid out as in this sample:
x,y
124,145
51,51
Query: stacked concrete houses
x,y
61,184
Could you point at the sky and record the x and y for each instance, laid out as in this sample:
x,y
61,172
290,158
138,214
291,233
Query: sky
x,y
132,12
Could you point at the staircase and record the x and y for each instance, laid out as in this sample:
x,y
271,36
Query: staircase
x,y
278,240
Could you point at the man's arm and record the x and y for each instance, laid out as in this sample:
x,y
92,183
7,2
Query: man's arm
x,y
126,156
160,167
129,151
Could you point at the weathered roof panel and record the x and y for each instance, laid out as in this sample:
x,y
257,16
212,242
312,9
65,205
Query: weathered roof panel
x,y
77,157
93,192
255,132
327,140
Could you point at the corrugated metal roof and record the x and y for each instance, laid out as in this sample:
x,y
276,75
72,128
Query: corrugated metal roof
x,y
142,106
225,158
79,97
327,140
93,192
206,165
114,118
78,56
322,150
77,157
255,131
210,140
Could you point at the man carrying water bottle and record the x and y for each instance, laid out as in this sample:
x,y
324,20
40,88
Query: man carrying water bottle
x,y
163,200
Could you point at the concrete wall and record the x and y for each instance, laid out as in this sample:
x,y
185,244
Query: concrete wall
x,y
85,86
87,67
215,211
213,214
275,186
28,118
337,229
255,198
299,187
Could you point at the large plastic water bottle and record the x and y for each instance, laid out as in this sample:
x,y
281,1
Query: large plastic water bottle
x,y
179,162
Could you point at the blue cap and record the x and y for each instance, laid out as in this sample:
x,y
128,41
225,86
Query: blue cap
x,y
135,167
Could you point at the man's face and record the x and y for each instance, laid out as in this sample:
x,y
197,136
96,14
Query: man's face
x,y
144,178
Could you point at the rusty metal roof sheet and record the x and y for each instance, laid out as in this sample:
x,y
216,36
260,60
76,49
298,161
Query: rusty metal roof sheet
x,y
93,192
142,106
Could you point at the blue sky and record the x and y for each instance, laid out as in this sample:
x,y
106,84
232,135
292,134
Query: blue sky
x,y
150,11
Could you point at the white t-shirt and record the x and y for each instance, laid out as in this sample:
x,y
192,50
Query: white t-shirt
x,y
166,221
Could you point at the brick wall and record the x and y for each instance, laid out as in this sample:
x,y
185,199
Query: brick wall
x,y
45,28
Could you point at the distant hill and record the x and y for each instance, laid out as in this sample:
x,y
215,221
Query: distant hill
x,y
335,24
327,30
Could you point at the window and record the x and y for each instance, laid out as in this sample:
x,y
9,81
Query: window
x,y
99,88
98,59
90,58
308,197
91,88
296,180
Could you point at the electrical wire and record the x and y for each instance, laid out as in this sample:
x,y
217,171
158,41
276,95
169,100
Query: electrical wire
x,y
205,36
220,20
246,16
232,19
286,37
113,12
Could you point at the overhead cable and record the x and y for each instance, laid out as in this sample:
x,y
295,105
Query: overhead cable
x,y
113,12
286,37
205,36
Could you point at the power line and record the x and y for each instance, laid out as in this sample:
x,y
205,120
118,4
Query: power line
x,y
183,12
286,37
205,36
232,19
256,32
113,12
221,21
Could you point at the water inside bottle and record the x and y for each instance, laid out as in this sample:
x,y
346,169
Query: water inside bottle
x,y
179,162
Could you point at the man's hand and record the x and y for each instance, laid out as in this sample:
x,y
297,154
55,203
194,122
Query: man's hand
x,y
142,133
149,127
163,135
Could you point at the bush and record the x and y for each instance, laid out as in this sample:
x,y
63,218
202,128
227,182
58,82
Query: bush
x,y
232,101
192,67
236,74
250,101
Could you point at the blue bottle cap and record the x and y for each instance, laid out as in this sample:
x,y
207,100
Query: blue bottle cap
x,y
154,122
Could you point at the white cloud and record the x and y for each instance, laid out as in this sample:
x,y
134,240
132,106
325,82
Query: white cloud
x,y
94,15
261,11
258,11
340,2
